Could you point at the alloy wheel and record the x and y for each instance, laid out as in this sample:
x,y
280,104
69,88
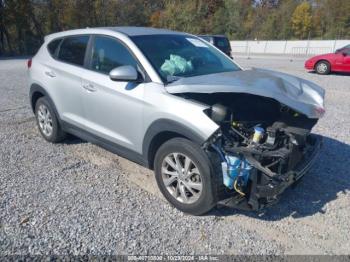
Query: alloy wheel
x,y
181,178
322,68
45,120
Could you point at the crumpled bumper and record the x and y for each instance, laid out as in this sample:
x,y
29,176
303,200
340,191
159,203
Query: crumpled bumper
x,y
265,195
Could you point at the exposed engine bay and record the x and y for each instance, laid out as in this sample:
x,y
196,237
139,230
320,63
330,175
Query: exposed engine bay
x,y
261,143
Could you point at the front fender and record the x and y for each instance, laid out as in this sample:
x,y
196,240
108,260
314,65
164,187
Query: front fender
x,y
167,125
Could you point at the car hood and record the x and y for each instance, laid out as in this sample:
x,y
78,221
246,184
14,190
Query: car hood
x,y
324,56
301,95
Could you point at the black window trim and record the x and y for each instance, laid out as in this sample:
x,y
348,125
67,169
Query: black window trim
x,y
88,53
54,55
88,57
59,48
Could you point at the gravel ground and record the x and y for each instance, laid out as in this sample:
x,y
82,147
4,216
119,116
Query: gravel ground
x,y
76,198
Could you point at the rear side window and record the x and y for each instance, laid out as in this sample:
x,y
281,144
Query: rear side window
x,y
108,53
53,46
221,42
73,49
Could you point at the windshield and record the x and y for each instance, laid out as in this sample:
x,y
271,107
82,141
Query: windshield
x,y
177,56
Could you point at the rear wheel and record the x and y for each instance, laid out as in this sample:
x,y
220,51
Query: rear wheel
x,y
323,68
183,175
47,121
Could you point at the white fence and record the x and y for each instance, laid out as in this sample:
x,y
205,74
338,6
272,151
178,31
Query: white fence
x,y
293,48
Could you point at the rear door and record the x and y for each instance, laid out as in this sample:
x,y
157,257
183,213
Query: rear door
x,y
65,73
113,109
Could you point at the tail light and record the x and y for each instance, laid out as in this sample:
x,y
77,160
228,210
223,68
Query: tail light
x,y
29,63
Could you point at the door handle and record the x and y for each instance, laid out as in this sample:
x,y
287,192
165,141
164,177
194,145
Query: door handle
x,y
50,73
89,87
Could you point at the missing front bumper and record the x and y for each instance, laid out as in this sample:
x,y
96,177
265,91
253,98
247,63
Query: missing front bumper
x,y
266,194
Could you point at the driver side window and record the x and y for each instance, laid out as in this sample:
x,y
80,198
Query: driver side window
x,y
108,53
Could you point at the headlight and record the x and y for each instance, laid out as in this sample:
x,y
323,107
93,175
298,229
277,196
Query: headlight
x,y
320,111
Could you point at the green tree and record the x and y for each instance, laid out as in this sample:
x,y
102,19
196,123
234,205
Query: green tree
x,y
332,19
131,13
285,12
302,20
234,18
184,15
270,28
24,23
5,37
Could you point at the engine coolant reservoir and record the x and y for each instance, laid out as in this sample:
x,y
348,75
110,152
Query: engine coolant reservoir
x,y
233,169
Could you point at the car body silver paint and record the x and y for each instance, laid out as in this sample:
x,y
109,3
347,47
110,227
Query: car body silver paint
x,y
125,73
118,111
134,31
122,112
301,95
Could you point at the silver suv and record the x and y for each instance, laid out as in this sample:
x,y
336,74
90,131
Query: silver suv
x,y
212,132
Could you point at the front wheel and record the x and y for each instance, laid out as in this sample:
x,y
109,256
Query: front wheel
x,y
183,175
323,68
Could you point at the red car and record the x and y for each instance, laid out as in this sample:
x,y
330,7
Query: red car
x,y
334,62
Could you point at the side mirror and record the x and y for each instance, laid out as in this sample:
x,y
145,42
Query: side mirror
x,y
125,73
344,53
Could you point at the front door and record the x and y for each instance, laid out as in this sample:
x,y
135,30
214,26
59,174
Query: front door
x,y
346,60
113,109
342,62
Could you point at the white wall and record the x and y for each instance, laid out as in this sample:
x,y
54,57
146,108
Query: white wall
x,y
295,48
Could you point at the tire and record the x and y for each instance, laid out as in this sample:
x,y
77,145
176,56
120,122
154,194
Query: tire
x,y
47,121
198,202
323,68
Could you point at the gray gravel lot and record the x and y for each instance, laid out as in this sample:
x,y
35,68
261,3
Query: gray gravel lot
x,y
76,198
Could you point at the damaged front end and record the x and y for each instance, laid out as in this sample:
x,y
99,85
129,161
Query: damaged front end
x,y
263,147
264,142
